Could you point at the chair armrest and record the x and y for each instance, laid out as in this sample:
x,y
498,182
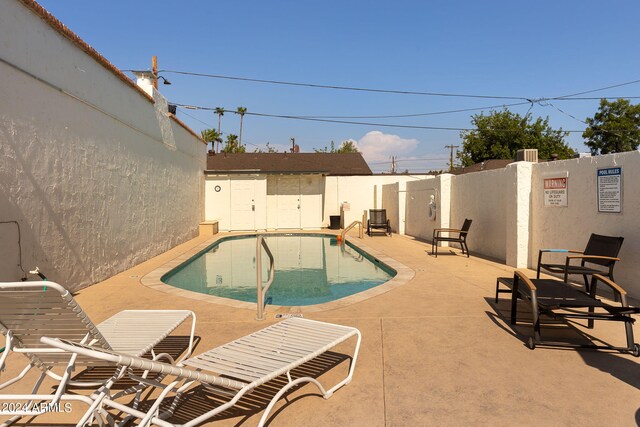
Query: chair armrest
x,y
542,251
612,285
587,257
446,230
561,250
525,280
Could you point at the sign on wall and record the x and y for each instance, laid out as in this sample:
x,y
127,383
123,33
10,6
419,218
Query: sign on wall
x,y
555,192
610,190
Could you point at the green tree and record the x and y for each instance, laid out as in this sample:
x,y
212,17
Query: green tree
x,y
502,133
212,136
232,145
241,111
269,149
347,146
220,112
614,128
325,149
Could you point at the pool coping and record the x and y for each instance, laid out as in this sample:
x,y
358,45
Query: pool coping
x,y
403,275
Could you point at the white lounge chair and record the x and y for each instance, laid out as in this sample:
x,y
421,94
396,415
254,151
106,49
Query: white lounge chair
x,y
237,367
31,310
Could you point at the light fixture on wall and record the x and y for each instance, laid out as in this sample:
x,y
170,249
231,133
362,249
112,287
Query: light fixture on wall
x,y
149,75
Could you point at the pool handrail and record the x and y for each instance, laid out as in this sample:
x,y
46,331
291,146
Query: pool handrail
x,y
353,224
261,291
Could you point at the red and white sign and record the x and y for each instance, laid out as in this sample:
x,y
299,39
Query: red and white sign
x,y
555,191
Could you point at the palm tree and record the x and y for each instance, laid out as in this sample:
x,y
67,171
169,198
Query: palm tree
x,y
241,111
220,112
232,145
212,136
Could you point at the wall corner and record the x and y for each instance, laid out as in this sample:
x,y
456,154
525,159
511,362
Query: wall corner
x,y
518,214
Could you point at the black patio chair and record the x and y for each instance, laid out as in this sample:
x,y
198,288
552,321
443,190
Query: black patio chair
x,y
561,301
378,220
453,235
601,253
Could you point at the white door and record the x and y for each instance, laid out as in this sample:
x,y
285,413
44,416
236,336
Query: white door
x,y
243,207
288,202
311,189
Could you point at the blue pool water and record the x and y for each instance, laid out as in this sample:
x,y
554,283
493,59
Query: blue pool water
x,y
310,269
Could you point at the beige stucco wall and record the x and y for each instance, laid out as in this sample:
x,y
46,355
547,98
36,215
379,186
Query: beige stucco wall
x,y
391,202
361,192
570,227
85,169
418,195
482,196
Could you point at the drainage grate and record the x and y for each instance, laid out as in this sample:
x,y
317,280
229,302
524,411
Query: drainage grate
x,y
288,315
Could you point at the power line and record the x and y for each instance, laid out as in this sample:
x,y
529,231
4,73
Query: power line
x,y
596,90
399,126
572,96
350,88
408,159
594,98
419,114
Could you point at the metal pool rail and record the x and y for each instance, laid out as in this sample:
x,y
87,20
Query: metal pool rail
x,y
353,224
261,291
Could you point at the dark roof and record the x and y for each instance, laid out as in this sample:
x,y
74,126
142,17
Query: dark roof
x,y
483,166
324,163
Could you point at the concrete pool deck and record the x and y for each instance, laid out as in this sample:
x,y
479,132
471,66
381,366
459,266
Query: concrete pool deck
x,y
435,351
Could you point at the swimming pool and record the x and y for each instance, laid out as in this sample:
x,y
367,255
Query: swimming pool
x,y
310,269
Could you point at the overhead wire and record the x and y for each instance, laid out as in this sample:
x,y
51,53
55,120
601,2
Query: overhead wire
x,y
595,90
337,87
221,133
389,125
572,96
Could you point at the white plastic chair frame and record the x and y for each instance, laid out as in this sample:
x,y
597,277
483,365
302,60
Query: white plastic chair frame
x,y
30,310
245,363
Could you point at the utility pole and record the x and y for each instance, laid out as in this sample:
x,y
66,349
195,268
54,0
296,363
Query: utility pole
x,y
393,164
451,155
154,70
293,145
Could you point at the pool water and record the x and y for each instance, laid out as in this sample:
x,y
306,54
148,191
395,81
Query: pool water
x,y
309,269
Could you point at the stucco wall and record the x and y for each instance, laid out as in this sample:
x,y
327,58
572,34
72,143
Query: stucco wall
x,y
85,169
570,227
362,193
418,195
391,202
482,197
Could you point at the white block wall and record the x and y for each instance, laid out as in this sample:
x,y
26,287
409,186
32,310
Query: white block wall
x,y
570,227
482,197
362,193
511,223
84,167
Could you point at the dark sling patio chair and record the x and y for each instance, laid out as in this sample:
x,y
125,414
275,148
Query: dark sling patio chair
x,y
561,301
378,220
601,253
453,235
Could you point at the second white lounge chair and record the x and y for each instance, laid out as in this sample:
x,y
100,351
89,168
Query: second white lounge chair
x,y
237,367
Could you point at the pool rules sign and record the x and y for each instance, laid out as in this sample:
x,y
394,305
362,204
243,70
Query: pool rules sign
x,y
555,192
610,190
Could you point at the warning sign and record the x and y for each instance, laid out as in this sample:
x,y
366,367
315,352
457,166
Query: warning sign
x,y
610,190
555,192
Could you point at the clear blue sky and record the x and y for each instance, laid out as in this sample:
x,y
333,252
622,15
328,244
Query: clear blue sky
x,y
498,48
